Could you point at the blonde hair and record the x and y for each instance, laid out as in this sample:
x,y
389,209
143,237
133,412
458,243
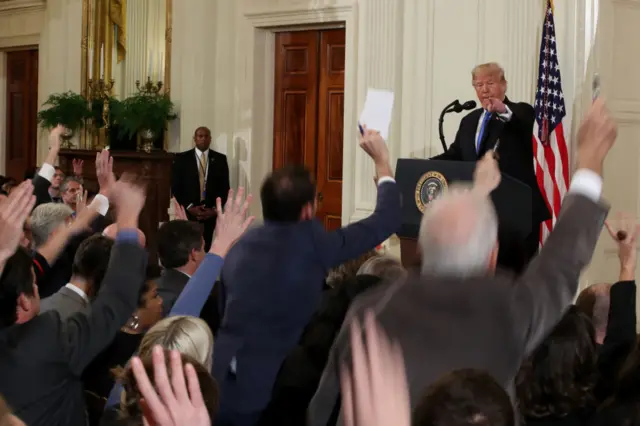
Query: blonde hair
x,y
492,68
188,335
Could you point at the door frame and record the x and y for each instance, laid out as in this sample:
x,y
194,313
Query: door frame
x,y
265,25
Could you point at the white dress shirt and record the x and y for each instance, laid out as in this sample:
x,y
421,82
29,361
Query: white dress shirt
x,y
78,291
100,202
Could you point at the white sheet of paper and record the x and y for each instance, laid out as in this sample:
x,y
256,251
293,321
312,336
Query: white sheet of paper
x,y
377,110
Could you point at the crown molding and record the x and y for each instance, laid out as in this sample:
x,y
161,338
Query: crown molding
x,y
17,6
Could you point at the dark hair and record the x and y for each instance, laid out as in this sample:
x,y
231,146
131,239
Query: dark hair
x,y
92,259
285,192
464,397
176,240
153,273
560,375
16,279
130,407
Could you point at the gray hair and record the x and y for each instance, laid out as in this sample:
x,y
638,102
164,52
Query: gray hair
x,y
65,183
46,218
386,267
458,233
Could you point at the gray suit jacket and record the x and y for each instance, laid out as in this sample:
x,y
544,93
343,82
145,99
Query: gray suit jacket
x,y
66,302
170,285
487,323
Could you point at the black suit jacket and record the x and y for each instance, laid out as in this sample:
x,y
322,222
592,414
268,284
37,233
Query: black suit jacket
x,y
185,181
42,360
170,285
515,149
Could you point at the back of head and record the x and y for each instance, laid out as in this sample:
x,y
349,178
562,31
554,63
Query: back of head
x,y
16,279
464,397
458,235
594,302
46,218
91,260
176,240
130,402
348,269
188,335
559,376
286,192
387,268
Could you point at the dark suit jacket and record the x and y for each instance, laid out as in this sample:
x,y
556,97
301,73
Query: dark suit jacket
x,y
487,323
65,302
515,150
170,285
273,279
41,361
185,181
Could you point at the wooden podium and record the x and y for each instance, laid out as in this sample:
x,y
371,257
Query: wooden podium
x,y
154,169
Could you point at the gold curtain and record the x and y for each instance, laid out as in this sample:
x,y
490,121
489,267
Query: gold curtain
x,y
118,16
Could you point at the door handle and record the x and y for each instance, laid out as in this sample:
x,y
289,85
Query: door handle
x,y
320,197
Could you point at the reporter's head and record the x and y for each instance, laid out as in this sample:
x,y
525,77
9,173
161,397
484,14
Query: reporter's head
x,y
288,195
458,235
19,298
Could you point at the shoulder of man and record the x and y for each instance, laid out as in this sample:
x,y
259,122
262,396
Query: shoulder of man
x,y
217,155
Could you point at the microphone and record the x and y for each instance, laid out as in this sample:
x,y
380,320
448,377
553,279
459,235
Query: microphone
x,y
454,106
467,106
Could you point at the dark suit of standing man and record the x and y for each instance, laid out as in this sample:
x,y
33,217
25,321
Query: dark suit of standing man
x,y
199,176
512,123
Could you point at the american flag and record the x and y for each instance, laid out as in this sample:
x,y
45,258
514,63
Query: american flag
x,y
551,157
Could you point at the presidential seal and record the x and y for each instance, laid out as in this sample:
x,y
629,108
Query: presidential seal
x,y
430,186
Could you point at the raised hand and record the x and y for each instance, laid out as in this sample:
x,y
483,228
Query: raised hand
x,y
14,211
625,233
104,172
374,145
129,199
596,136
178,211
232,222
81,201
54,144
486,176
180,401
78,166
376,392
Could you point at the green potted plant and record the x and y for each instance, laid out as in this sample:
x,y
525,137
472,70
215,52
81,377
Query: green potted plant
x,y
69,109
145,115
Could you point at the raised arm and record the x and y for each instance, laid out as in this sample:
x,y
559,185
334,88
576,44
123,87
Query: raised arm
x,y
42,180
550,282
354,240
232,222
87,335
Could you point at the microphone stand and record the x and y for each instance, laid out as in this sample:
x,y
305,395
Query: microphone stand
x,y
449,108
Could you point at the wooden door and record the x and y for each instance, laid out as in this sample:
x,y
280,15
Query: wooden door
x,y
309,110
22,110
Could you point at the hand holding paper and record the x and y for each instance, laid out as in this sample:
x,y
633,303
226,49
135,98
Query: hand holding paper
x,y
377,110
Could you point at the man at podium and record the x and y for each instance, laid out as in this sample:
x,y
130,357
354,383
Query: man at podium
x,y
506,127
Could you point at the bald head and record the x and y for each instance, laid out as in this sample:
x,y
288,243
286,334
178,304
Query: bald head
x,y
112,230
458,235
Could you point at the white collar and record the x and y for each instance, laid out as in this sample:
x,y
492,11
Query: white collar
x,y
201,153
78,291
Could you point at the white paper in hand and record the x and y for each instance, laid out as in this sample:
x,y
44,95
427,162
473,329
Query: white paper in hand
x,y
376,114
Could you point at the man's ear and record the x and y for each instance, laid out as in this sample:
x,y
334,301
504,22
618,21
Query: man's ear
x,y
24,303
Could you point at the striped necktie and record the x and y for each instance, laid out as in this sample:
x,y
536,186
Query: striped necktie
x,y
202,174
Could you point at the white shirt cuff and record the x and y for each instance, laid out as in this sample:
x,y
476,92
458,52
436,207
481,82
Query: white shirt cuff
x,y
384,179
588,183
101,204
506,116
47,171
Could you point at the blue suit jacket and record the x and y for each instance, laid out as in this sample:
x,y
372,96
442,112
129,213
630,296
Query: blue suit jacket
x,y
273,282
